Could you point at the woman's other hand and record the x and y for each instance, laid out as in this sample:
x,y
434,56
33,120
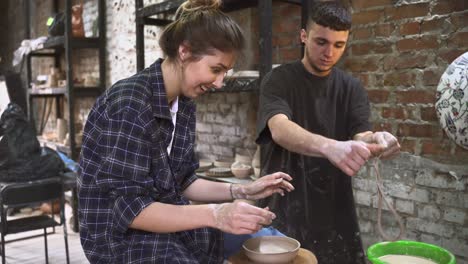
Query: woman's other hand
x,y
265,186
240,217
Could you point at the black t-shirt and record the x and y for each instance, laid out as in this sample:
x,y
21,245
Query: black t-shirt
x,y
320,212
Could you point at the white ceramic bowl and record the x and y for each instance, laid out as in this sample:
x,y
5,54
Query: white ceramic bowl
x,y
242,173
223,163
271,249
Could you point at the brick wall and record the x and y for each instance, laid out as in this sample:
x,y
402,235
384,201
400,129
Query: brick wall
x,y
399,50
226,124
430,197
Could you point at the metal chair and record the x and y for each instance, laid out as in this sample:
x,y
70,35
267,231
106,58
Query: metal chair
x,y
19,194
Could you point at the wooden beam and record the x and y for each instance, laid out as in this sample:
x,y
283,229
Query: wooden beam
x,y
158,8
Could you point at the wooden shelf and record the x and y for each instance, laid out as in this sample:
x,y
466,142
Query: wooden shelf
x,y
82,91
158,8
48,91
58,42
59,91
238,85
143,14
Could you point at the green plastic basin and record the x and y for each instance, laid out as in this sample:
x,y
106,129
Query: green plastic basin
x,y
411,248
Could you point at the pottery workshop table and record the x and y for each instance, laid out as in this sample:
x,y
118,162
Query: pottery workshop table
x,y
224,179
304,256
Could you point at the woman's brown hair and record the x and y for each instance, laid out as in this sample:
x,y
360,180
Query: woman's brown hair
x,y
202,26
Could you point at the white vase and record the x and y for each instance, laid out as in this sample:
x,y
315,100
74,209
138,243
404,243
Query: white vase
x,y
256,158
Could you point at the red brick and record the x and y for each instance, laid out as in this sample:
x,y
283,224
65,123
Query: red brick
x,y
407,11
363,4
410,28
371,47
459,151
361,33
459,20
425,42
399,79
450,55
378,80
285,40
358,64
433,147
389,63
436,24
459,39
429,114
378,96
417,130
290,54
406,61
415,96
367,17
364,78
412,112
254,23
392,112
274,41
431,77
407,145
384,30
379,126
444,7
276,23
276,8
288,10
288,26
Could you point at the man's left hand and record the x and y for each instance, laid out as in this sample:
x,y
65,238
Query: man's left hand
x,y
388,142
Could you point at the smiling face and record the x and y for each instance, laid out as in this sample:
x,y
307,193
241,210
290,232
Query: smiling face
x,y
323,48
207,72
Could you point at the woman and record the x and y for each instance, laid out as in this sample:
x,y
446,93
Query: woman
x,y
137,162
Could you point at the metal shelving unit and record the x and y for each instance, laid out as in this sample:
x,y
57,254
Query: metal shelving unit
x,y
59,46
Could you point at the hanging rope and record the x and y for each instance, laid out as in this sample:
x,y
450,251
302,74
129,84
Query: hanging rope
x,y
381,196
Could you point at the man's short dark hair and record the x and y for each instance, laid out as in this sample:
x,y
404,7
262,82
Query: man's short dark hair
x,y
331,14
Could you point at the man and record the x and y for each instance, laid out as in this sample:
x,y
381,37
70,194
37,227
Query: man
x,y
313,124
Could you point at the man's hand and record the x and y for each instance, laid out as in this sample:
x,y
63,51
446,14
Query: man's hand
x,y
348,156
389,144
240,217
277,182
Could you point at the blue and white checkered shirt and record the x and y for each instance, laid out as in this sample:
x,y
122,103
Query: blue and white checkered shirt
x,y
124,167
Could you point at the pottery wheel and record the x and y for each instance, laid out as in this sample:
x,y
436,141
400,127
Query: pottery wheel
x,y
219,172
304,256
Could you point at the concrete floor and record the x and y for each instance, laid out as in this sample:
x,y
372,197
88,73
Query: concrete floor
x,y
31,251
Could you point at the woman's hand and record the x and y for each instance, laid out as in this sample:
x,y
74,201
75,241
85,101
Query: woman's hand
x,y
267,185
240,217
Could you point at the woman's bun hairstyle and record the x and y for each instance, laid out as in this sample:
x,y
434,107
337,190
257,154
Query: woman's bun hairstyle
x,y
202,27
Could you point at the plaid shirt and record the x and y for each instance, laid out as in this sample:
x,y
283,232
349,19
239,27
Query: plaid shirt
x,y
125,167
